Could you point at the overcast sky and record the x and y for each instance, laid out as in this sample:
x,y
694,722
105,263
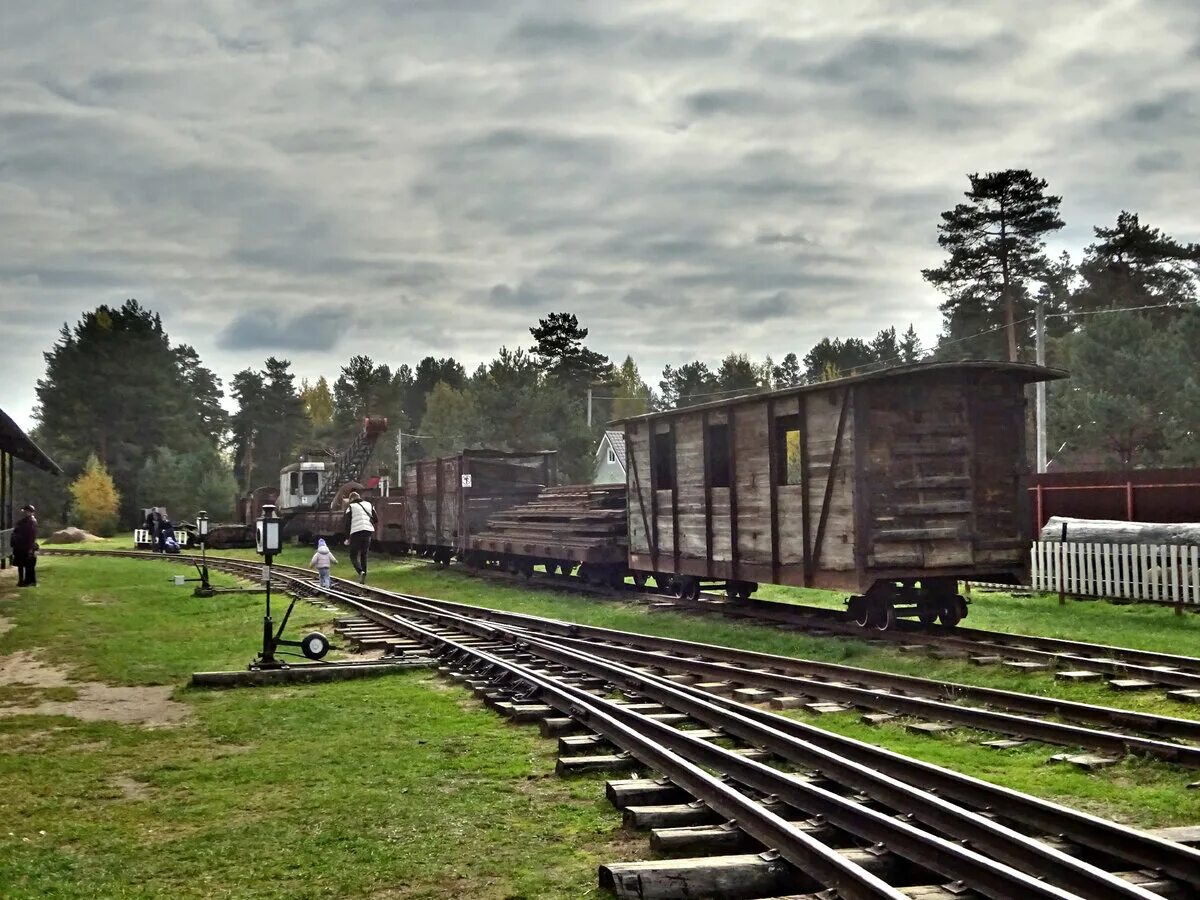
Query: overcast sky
x,y
318,179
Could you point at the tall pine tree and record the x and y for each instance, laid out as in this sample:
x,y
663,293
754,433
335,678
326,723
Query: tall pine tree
x,y
995,250
1132,265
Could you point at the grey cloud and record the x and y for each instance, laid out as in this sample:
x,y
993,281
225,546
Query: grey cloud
x,y
731,101
268,330
1159,161
435,174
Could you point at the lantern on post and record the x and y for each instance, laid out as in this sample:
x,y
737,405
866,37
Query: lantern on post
x,y
268,541
205,589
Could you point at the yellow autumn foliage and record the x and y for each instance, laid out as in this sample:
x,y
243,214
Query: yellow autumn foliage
x,y
96,498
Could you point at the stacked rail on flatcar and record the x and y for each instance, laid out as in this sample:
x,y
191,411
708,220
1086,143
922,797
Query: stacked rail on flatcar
x,y
450,498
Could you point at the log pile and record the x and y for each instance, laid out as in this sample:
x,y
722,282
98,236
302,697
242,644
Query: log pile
x,y
581,522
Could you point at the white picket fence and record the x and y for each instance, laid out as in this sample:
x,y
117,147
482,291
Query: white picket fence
x,y
1153,573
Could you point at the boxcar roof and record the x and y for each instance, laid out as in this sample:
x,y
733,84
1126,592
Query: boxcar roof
x,y
1026,372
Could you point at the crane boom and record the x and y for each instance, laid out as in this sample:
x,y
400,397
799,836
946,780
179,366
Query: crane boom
x,y
351,463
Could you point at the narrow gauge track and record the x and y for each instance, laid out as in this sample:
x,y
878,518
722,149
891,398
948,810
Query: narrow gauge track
x,y
795,682
815,799
1131,668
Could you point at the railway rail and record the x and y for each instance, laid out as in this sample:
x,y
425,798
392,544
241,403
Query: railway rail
x,y
807,810
1126,668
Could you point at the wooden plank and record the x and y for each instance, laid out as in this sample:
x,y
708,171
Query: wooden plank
x,y
773,480
862,493
830,480
631,459
734,552
708,501
653,537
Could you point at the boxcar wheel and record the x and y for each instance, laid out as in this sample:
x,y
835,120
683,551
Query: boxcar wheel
x,y
859,611
551,568
639,580
949,615
927,617
883,616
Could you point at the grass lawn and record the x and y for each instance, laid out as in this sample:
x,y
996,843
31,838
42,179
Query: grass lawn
x,y
397,787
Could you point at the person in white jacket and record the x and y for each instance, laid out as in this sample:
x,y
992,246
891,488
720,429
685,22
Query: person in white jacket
x,y
323,560
360,523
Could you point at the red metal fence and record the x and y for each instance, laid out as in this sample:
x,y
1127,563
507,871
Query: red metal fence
x,y
1141,495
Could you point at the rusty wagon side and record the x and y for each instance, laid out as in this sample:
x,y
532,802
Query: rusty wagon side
x,y
893,484
450,498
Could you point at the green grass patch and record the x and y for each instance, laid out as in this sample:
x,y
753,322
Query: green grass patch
x,y
396,787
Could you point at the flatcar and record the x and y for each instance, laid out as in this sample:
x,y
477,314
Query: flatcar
x,y
892,485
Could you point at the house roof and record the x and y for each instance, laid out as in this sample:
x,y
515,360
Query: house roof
x,y
1025,371
15,441
616,440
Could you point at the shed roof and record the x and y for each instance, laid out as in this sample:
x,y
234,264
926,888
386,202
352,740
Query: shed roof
x,y
616,440
13,440
1026,372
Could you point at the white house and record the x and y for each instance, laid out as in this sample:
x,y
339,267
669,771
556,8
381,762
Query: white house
x,y
610,459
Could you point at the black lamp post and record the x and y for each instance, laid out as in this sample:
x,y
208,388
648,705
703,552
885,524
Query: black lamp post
x,y
268,541
205,589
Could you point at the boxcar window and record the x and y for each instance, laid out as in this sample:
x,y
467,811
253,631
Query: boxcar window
x,y
294,483
311,482
787,450
663,448
716,445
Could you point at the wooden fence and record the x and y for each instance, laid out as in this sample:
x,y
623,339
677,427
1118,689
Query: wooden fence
x,y
1139,572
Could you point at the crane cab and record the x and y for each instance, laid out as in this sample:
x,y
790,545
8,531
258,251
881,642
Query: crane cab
x,y
300,484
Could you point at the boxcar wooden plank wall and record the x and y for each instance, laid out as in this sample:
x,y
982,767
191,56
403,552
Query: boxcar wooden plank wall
x,y
830,500
838,485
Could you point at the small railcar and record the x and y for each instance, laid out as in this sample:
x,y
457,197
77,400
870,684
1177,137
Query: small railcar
x,y
893,485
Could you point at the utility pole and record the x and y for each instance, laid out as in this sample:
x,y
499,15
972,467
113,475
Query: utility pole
x,y
1041,388
589,406
400,459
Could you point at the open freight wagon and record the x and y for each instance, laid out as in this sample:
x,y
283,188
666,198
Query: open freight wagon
x,y
451,498
893,485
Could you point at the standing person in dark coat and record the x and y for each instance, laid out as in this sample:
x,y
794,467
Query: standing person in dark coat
x,y
25,547
153,523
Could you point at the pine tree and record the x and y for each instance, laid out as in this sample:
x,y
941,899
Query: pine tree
x,y
561,352
995,249
737,375
910,346
829,359
687,385
451,421
114,386
1133,265
633,395
788,373
1130,395
97,501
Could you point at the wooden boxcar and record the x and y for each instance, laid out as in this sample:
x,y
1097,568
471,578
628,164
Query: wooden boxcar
x,y
449,498
893,484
